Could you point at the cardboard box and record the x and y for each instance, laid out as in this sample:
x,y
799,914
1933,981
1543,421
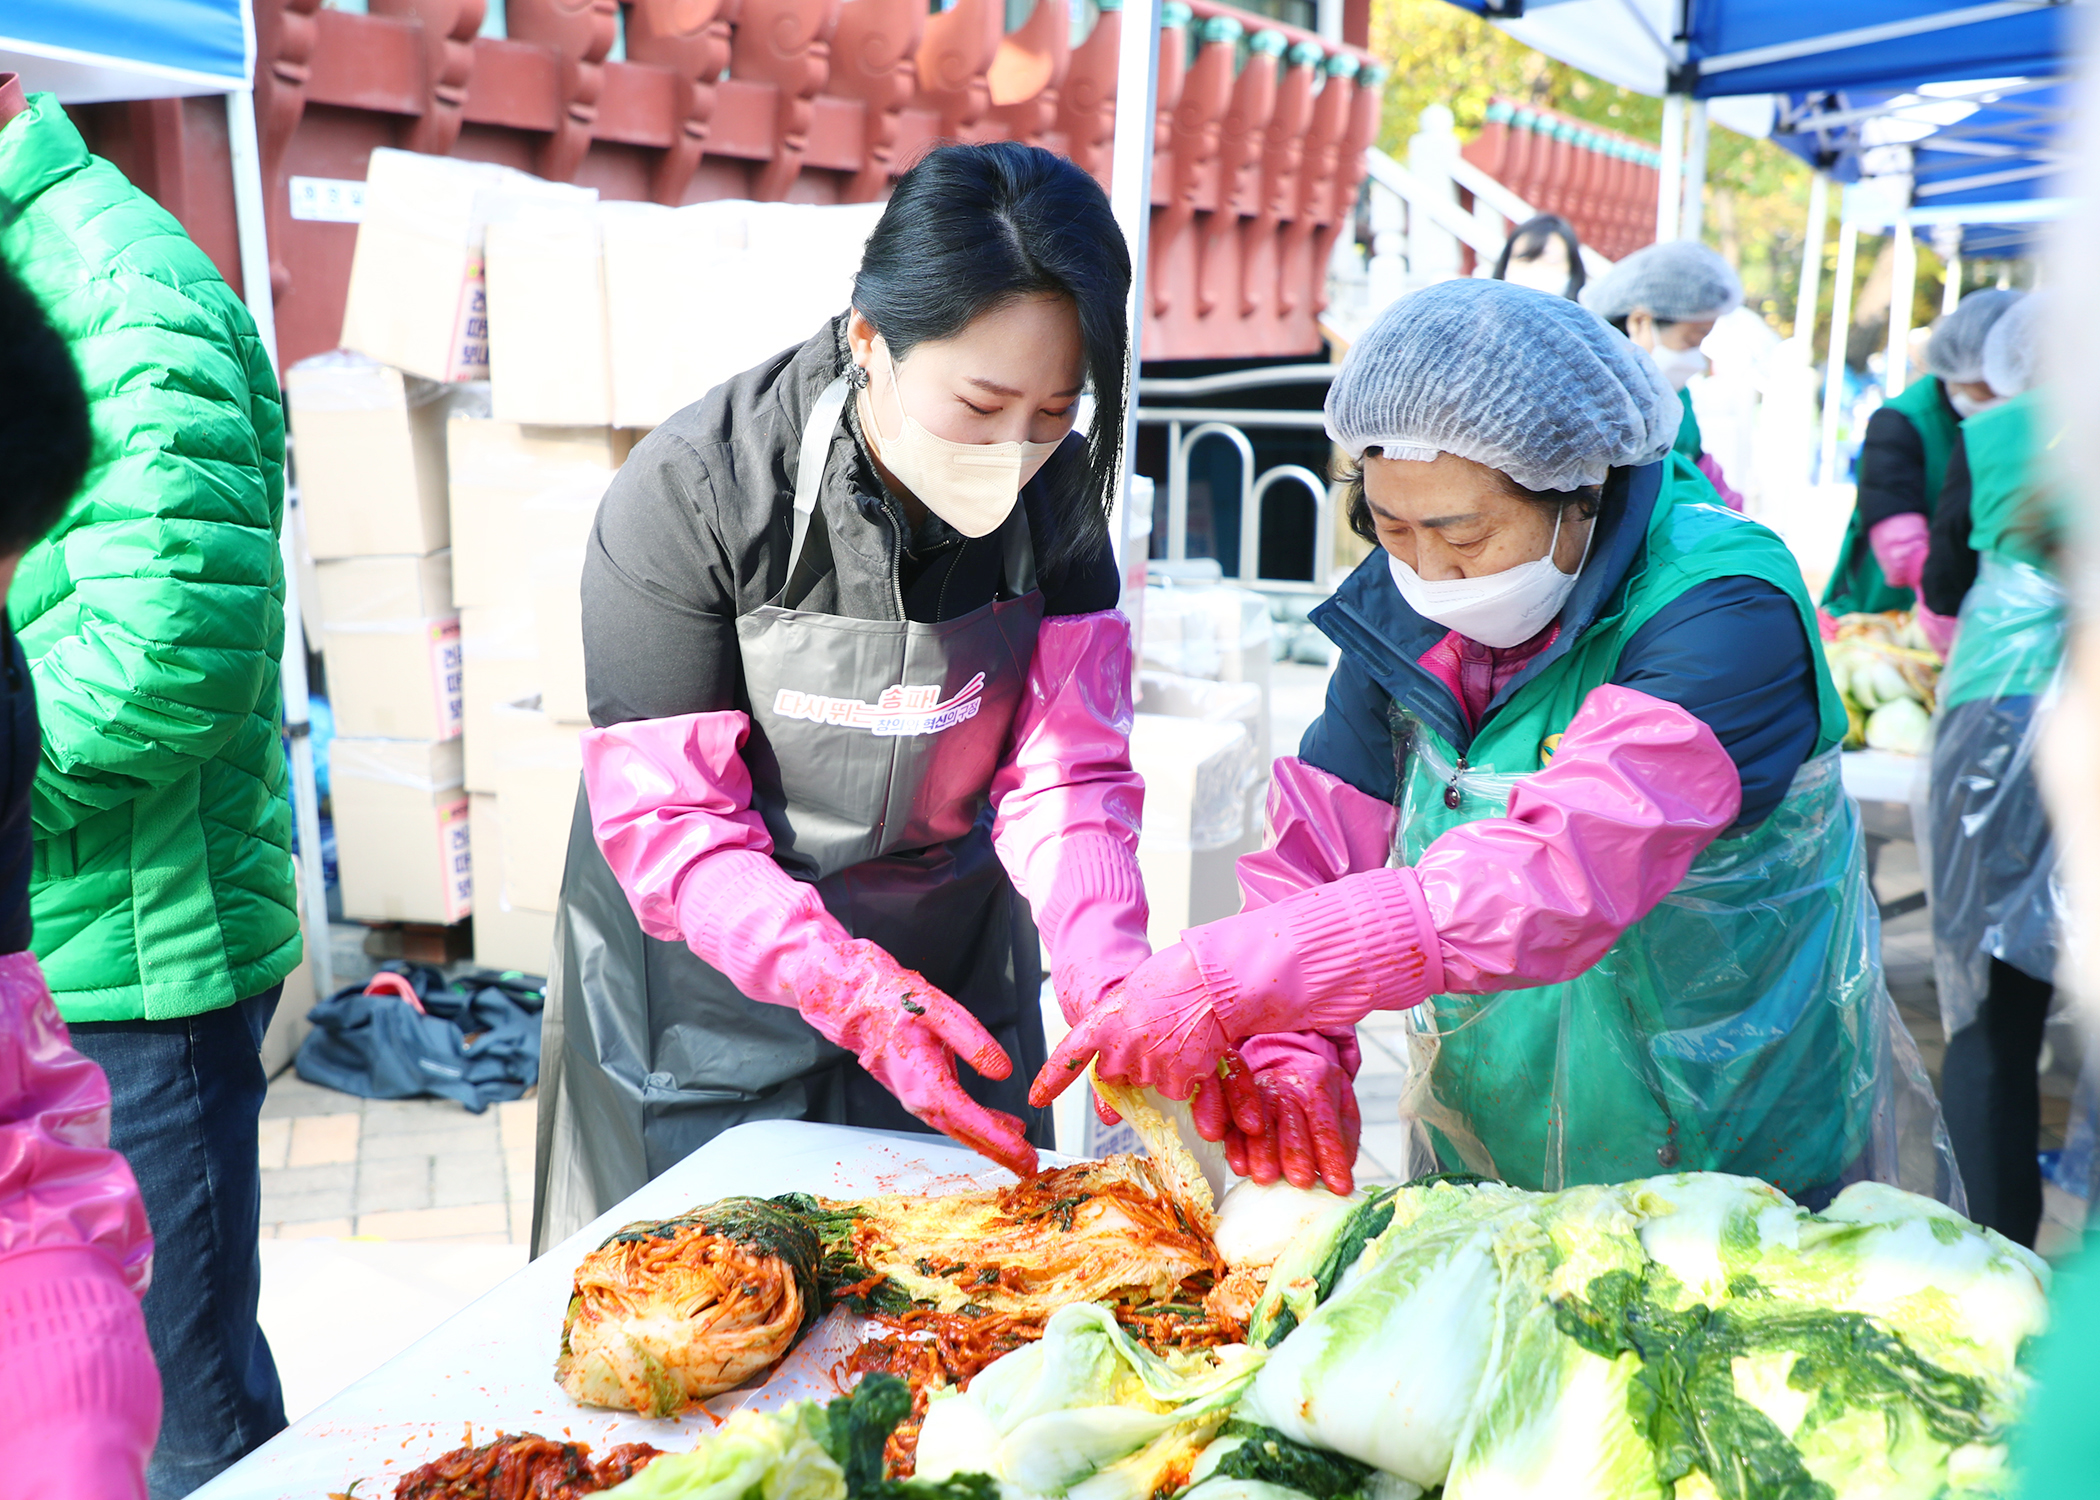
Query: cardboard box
x,y
500,663
384,590
403,848
505,937
1242,703
548,357
1196,777
539,769
395,679
519,491
557,612
368,449
1210,630
695,295
417,296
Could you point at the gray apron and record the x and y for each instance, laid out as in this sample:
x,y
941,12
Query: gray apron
x,y
872,749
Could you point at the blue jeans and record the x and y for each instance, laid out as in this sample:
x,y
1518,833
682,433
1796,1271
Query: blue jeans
x,y
186,1096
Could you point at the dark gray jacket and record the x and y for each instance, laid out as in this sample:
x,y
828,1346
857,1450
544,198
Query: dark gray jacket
x,y
694,532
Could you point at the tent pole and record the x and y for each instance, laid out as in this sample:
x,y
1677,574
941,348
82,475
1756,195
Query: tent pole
x,y
1669,196
1695,173
248,212
1903,298
1809,305
1950,291
1840,326
1130,195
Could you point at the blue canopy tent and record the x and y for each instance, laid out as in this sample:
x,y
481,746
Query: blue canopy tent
x,y
1971,151
1741,58
88,51
1861,88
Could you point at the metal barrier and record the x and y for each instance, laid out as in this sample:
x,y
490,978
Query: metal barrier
x,y
1189,425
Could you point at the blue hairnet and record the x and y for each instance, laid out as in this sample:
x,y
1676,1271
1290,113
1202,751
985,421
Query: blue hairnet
x,y
1519,380
1678,281
1956,350
2013,347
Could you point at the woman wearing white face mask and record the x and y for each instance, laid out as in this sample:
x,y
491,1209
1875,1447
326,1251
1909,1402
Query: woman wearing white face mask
x,y
863,702
1904,460
1573,804
1667,299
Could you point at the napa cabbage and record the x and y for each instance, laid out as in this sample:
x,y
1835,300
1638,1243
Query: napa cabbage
x,y
1685,1337
1075,1404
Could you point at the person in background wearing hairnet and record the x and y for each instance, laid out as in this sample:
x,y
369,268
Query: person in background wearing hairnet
x,y
1544,254
1595,799
1903,464
1994,928
1667,299
1950,566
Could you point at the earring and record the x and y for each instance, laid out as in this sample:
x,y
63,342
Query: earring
x,y
857,375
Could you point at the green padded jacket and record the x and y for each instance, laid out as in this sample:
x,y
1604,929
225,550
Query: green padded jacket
x,y
153,614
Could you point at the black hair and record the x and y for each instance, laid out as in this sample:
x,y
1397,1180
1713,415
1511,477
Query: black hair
x,y
1528,242
971,228
45,441
1620,322
1586,500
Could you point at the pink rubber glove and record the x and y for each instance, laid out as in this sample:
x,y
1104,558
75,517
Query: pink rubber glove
x,y
1304,1084
1589,845
1900,544
79,1394
1939,630
671,809
1320,828
1068,806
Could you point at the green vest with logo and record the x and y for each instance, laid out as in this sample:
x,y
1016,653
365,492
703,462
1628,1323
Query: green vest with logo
x,y
2012,623
1857,585
1690,442
1742,1025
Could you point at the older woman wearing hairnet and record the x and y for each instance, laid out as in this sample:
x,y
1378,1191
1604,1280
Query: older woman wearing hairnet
x,y
1903,463
1667,299
1573,803
1994,887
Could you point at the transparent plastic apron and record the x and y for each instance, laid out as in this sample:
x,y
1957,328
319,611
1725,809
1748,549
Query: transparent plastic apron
x,y
1741,1026
872,749
1996,891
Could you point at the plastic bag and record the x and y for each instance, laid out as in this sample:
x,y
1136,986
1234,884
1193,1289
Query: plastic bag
x,y
1742,1026
1996,890
476,1040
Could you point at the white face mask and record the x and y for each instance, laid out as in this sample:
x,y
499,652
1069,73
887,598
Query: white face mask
x,y
972,486
1966,405
1501,610
1678,366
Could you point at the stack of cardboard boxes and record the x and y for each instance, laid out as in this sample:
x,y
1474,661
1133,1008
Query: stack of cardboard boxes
x,y
369,455
523,501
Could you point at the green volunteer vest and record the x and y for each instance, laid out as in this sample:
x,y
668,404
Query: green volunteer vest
x,y
1741,1026
1857,584
1689,442
2012,623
